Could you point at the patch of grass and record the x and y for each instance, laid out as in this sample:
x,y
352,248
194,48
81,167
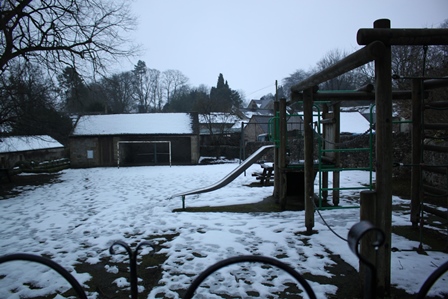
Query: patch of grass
x,y
149,270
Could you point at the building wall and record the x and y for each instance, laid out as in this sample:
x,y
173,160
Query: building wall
x,y
84,152
9,160
133,150
195,149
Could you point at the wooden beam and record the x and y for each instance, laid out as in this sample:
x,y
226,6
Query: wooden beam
x,y
352,61
346,95
411,37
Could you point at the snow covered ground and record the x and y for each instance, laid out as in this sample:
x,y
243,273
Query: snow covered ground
x,y
76,219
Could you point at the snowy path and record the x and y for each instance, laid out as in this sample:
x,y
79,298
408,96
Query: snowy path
x,y
75,220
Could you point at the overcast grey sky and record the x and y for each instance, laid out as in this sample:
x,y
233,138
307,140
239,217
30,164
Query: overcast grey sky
x,y
255,42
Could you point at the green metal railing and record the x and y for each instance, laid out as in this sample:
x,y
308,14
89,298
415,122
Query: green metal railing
x,y
322,167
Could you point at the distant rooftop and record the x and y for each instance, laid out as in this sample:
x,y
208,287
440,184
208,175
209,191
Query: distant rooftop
x,y
27,143
142,123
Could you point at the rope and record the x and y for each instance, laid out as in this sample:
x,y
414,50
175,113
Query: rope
x,y
327,225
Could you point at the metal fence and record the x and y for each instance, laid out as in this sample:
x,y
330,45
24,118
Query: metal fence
x,y
356,234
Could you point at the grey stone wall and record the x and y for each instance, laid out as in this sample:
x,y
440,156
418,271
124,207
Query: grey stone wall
x,y
79,152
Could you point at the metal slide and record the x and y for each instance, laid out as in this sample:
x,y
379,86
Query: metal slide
x,y
232,175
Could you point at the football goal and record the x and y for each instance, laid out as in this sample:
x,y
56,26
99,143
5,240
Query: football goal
x,y
141,152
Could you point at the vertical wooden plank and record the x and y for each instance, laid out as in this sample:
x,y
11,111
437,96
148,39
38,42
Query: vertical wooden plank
x,y
367,212
416,191
308,152
337,156
325,145
276,136
383,100
282,152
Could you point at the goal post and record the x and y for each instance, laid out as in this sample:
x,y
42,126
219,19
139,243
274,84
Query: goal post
x,y
142,142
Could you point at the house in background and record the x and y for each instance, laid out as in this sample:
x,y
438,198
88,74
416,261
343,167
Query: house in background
x,y
135,139
24,149
260,127
218,126
264,105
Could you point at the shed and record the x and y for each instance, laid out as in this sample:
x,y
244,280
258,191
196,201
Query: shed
x,y
135,139
37,148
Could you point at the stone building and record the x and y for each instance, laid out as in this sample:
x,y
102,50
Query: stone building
x,y
135,139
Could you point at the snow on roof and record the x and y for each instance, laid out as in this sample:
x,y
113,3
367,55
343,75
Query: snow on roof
x,y
352,122
250,113
142,123
27,143
218,118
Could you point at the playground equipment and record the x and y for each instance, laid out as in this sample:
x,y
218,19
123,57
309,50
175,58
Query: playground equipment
x,y
376,204
230,177
328,146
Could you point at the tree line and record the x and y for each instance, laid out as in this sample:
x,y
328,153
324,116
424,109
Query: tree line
x,y
140,90
50,49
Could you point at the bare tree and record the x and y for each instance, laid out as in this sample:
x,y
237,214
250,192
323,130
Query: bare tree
x,y
119,91
344,81
60,33
173,79
155,89
293,79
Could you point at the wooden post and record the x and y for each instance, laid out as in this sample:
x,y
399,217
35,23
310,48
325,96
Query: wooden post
x,y
276,136
337,156
383,101
309,158
367,212
282,152
416,191
324,174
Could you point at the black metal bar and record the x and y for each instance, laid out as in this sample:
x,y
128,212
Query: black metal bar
x,y
437,105
49,263
436,126
132,263
431,280
249,258
440,169
435,83
356,233
435,148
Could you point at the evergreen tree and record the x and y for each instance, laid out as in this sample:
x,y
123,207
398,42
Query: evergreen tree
x,y
75,91
223,98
